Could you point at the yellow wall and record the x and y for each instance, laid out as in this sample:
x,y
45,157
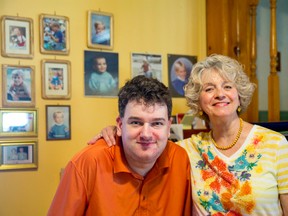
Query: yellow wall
x,y
153,26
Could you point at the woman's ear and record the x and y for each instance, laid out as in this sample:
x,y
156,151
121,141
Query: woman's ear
x,y
119,126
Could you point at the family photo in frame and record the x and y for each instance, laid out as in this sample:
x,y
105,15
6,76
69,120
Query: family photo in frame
x,y
56,79
18,86
54,34
16,122
17,37
179,68
149,65
18,155
58,122
101,74
100,30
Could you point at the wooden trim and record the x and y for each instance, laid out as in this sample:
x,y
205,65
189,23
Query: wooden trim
x,y
273,79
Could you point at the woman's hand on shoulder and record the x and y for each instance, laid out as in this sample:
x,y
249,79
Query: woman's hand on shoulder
x,y
108,133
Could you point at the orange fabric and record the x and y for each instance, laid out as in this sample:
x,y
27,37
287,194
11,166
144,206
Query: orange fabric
x,y
97,181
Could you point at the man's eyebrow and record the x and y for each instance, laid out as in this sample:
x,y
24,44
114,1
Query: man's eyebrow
x,y
153,119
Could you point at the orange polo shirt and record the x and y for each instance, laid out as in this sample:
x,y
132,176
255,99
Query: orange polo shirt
x,y
98,181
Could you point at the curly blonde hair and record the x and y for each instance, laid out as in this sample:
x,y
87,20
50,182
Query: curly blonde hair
x,y
229,69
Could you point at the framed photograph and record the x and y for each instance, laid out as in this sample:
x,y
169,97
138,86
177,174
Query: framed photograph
x,y
149,65
101,74
54,34
56,79
18,86
100,30
18,122
179,67
58,122
18,155
17,37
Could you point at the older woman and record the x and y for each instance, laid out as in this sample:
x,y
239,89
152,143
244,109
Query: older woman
x,y
237,168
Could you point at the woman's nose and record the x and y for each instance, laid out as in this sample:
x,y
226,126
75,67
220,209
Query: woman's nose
x,y
219,94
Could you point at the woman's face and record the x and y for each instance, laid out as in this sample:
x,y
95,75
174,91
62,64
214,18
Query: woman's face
x,y
219,97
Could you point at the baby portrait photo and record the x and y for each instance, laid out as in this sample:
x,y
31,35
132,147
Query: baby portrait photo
x,y
100,30
179,67
101,74
149,65
58,122
18,86
17,34
54,32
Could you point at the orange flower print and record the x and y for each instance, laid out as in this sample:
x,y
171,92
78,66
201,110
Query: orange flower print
x,y
218,170
238,200
257,139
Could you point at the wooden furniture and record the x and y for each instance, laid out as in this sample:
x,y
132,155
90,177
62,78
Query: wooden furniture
x,y
231,31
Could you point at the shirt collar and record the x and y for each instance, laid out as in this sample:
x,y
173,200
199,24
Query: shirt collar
x,y
121,164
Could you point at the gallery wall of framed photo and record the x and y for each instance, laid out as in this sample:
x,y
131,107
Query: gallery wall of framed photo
x,y
50,64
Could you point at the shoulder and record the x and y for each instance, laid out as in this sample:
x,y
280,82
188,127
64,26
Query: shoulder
x,y
176,150
196,141
94,75
107,74
93,153
268,133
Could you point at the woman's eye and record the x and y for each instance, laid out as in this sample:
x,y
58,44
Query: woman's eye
x,y
228,87
208,89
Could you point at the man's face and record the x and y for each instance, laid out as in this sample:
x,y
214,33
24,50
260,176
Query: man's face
x,y
145,131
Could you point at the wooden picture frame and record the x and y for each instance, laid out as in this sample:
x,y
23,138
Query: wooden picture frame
x,y
54,34
100,30
101,78
17,37
149,65
179,68
18,86
18,155
16,122
56,79
58,122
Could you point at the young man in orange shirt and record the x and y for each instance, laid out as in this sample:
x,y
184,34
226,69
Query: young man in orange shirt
x,y
143,174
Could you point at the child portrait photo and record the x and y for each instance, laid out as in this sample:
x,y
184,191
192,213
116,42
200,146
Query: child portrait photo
x,y
149,65
18,89
17,37
100,30
56,77
18,155
101,74
54,34
179,67
58,122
